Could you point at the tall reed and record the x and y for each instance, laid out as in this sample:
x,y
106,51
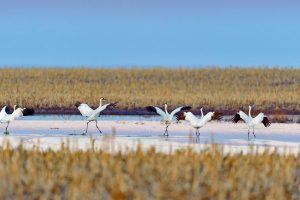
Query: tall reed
x,y
221,88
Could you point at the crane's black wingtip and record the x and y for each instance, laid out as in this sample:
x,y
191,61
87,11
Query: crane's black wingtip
x,y
150,108
28,111
8,110
186,108
113,104
266,122
180,116
236,118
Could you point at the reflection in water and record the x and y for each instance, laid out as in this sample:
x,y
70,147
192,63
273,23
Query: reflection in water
x,y
197,139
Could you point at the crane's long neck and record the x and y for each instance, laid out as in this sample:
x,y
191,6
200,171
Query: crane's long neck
x,y
249,111
166,108
202,112
100,104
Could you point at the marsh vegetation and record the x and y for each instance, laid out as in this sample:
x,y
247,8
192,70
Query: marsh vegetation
x,y
138,174
271,89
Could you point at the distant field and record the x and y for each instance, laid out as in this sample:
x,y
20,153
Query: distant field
x,y
32,174
222,89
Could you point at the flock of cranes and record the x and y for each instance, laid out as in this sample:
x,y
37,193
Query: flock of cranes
x,y
198,123
181,113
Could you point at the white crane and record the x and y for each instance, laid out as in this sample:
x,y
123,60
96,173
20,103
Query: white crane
x,y
166,117
250,121
92,114
198,123
6,116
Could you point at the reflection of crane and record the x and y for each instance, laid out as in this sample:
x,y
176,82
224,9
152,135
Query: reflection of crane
x,y
251,122
91,114
198,122
167,117
6,116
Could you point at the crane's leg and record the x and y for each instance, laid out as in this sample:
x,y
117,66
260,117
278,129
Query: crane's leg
x,y
253,133
248,134
98,127
197,132
86,129
166,131
6,131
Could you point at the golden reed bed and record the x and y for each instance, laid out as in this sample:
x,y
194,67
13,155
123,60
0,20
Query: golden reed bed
x,y
185,174
223,89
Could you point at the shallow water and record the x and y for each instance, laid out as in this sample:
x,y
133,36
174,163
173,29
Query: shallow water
x,y
102,117
50,130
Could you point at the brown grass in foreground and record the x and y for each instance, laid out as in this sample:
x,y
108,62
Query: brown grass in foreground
x,y
32,174
228,88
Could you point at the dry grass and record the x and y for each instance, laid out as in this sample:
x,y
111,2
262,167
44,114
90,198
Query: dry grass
x,y
185,174
228,88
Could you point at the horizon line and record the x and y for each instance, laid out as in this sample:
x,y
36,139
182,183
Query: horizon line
x,y
147,66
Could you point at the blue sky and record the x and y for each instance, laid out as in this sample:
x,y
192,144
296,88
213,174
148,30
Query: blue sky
x,y
146,33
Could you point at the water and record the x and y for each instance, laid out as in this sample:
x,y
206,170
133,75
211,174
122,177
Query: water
x,y
56,117
102,117
129,129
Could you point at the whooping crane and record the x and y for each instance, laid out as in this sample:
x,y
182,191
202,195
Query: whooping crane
x,y
7,116
167,117
91,114
198,123
251,122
